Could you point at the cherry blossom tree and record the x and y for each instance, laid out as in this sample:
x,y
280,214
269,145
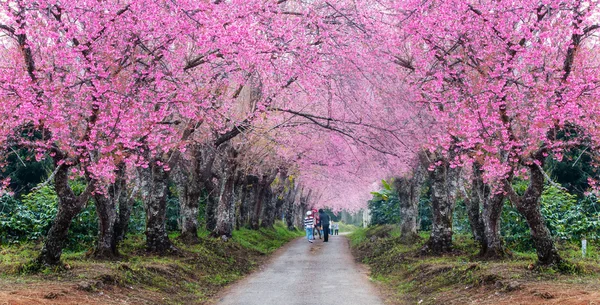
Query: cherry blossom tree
x,y
504,78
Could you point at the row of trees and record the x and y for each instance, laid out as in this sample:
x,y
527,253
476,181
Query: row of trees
x,y
569,213
223,96
128,97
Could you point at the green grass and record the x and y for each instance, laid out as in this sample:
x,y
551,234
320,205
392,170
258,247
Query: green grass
x,y
265,241
411,277
190,276
358,236
344,227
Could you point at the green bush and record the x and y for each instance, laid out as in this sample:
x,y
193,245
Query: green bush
x,y
385,206
567,218
30,219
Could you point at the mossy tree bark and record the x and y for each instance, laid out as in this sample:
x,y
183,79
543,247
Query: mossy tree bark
x,y
69,206
529,206
484,208
274,196
444,186
154,187
191,177
262,198
113,210
409,191
289,206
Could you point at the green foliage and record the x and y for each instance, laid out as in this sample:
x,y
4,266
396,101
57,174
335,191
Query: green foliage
x,y
137,220
358,236
567,218
385,206
460,219
30,219
425,215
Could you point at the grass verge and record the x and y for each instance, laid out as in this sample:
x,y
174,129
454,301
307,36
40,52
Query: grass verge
x,y
462,277
192,276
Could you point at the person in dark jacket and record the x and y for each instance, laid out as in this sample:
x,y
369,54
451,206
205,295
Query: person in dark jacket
x,y
325,224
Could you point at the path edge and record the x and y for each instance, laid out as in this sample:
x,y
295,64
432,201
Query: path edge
x,y
245,278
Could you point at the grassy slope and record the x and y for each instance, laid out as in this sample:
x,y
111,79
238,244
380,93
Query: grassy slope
x,y
190,277
462,278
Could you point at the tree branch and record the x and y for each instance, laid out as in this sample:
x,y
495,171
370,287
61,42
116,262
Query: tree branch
x,y
235,131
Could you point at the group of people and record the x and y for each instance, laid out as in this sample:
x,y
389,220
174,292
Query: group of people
x,y
320,223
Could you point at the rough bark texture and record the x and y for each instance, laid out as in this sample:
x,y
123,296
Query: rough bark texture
x,y
224,224
188,189
154,187
529,206
249,189
484,208
112,223
492,211
191,176
264,186
275,196
444,185
301,208
269,201
289,207
122,224
409,190
106,209
268,215
474,202
226,200
69,205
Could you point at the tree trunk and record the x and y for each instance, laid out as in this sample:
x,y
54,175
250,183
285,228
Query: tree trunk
x,y
224,225
261,196
122,224
69,206
474,203
227,166
191,177
444,181
409,191
257,209
492,211
484,208
529,206
270,200
302,207
248,198
154,187
289,207
188,209
106,210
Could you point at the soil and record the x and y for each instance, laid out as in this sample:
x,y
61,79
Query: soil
x,y
529,293
406,277
66,293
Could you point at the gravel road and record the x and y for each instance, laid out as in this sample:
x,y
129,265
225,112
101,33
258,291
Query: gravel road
x,y
305,273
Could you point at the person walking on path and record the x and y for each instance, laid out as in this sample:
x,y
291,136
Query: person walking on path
x,y
317,226
309,223
324,224
336,228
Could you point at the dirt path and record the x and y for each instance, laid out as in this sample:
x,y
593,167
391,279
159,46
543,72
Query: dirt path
x,y
317,273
